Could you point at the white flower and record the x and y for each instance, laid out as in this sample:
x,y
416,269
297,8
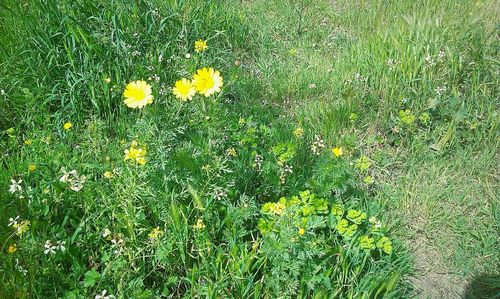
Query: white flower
x,y
49,248
103,295
61,245
440,90
15,186
73,179
13,222
106,233
188,56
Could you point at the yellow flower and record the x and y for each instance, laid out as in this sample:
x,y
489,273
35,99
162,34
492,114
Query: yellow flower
x,y
337,151
299,132
199,224
108,175
207,81
32,167
28,141
138,94
136,154
12,248
22,227
200,46
184,90
231,152
155,233
68,126
302,231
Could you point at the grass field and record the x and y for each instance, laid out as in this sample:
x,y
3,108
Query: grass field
x,y
338,149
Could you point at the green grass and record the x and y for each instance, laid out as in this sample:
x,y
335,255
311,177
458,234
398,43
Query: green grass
x,y
412,86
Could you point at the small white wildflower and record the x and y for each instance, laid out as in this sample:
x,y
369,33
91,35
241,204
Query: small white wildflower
x,y
13,221
440,90
136,53
160,58
188,56
73,179
106,233
61,245
429,60
391,63
318,145
441,55
312,85
15,186
103,295
20,268
49,248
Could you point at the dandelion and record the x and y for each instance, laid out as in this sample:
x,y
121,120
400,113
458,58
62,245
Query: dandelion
x,y
207,81
67,125
135,153
28,141
337,151
199,224
31,167
12,248
15,186
298,132
200,46
155,233
108,174
138,94
302,231
184,90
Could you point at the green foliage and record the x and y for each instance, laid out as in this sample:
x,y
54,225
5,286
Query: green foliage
x,y
301,238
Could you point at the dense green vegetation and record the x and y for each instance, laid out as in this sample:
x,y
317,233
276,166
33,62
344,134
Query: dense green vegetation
x,y
352,151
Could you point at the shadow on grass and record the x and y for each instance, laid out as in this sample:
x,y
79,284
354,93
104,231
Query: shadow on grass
x,y
484,286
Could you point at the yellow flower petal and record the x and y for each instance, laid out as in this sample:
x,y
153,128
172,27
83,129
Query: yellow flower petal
x,y
138,94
